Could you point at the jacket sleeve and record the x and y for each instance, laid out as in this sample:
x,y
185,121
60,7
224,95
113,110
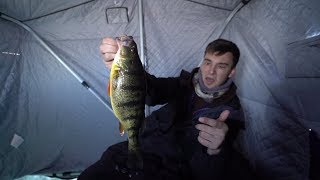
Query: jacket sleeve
x,y
161,90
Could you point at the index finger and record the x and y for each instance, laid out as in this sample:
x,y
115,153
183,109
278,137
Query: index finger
x,y
110,41
208,121
107,48
217,123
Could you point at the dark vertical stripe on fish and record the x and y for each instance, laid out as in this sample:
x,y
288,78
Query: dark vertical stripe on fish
x,y
132,103
133,117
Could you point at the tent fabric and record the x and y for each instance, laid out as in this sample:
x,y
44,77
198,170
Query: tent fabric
x,y
65,128
25,10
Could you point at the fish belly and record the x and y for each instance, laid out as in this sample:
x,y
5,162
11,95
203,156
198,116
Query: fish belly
x,y
128,102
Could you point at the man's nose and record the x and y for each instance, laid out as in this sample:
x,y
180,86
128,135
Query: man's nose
x,y
212,70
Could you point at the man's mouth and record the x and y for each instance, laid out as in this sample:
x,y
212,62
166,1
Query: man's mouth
x,y
209,80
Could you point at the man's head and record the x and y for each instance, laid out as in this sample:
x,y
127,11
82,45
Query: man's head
x,y
220,60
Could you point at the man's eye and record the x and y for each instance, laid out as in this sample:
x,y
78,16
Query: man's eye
x,y
222,67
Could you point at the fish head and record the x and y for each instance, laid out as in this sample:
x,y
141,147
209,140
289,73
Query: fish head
x,y
127,48
127,57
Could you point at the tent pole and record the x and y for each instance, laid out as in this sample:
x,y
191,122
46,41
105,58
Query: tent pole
x,y
142,55
231,15
141,31
83,83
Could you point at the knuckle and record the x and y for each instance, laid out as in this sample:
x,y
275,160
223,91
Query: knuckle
x,y
205,128
200,134
104,40
205,120
212,131
101,48
220,124
202,127
213,146
199,139
226,128
105,58
212,122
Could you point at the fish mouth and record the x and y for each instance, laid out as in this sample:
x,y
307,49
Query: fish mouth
x,y
127,47
124,40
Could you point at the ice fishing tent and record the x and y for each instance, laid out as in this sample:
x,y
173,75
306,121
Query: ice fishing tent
x,y
51,123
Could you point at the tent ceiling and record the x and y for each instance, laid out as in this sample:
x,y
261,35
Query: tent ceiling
x,y
29,9
219,4
25,10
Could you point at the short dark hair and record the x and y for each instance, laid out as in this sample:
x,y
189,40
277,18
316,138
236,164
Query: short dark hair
x,y
222,46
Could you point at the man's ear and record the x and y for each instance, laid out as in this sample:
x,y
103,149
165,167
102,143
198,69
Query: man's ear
x,y
233,71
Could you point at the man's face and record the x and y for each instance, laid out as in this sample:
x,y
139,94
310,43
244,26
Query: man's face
x,y
216,69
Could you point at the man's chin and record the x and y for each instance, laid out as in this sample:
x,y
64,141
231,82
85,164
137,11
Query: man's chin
x,y
209,86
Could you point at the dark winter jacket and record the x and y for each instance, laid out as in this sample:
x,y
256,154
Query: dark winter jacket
x,y
169,137
170,132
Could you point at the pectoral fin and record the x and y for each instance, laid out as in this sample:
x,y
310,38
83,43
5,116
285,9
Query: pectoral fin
x,y
113,81
121,129
109,88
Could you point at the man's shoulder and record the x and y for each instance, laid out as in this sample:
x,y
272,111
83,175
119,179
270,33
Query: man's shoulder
x,y
185,73
185,76
235,102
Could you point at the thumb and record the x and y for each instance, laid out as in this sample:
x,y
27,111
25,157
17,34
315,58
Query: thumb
x,y
224,115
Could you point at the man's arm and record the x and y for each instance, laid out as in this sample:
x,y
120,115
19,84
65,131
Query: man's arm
x,y
161,90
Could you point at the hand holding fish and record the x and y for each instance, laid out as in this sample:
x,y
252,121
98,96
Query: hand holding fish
x,y
212,132
108,49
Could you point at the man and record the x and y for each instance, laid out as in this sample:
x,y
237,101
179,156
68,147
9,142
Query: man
x,y
191,136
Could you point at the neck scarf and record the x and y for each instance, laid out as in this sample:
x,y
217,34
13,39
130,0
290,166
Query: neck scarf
x,y
209,94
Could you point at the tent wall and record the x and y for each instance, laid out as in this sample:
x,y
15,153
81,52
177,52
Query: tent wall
x,y
279,108
65,128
